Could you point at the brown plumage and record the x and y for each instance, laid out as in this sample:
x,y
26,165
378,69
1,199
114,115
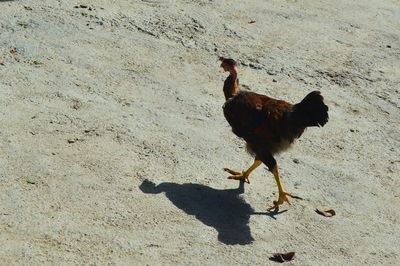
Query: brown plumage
x,y
268,126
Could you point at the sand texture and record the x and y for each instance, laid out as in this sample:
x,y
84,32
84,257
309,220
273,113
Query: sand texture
x,y
113,139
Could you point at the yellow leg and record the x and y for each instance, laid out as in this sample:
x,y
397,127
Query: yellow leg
x,y
277,179
245,174
283,195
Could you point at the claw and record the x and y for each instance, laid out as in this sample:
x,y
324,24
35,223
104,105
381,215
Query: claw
x,y
231,171
283,197
243,176
237,175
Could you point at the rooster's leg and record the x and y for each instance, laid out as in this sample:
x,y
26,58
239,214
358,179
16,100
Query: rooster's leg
x,y
283,195
245,174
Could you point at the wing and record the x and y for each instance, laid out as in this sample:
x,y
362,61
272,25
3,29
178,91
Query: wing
x,y
254,115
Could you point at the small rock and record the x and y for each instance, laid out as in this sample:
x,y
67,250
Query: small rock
x,y
272,72
274,80
36,63
296,161
76,104
13,50
388,46
256,66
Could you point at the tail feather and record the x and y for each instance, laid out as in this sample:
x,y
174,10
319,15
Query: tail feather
x,y
311,111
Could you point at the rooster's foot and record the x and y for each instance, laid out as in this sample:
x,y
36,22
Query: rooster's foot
x,y
283,197
238,175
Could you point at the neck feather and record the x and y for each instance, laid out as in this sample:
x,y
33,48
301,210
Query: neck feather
x,y
231,86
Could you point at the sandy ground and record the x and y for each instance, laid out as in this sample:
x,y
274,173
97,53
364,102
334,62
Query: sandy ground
x,y
112,137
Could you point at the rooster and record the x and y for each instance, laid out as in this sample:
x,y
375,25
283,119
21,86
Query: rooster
x,y
268,126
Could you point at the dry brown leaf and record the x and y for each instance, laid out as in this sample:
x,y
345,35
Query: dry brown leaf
x,y
327,213
282,257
